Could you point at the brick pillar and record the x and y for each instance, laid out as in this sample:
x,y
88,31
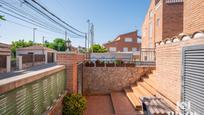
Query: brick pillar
x,y
8,63
46,61
70,60
19,62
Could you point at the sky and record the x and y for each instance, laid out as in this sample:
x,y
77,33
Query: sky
x,y
110,18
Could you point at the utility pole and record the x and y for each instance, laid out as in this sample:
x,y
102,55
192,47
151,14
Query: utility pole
x,y
65,36
86,41
92,34
43,40
86,45
88,34
34,29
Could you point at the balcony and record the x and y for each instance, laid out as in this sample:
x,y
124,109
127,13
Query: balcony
x,y
174,1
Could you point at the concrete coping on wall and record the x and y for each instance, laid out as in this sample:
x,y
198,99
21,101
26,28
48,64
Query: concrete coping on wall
x,y
71,53
181,37
10,83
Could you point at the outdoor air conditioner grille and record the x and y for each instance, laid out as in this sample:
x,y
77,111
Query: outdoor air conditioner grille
x,y
193,78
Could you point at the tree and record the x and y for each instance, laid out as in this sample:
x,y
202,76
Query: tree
x,y
57,44
97,48
2,18
19,44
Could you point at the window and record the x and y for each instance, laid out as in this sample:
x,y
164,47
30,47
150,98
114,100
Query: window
x,y
128,39
125,49
112,49
150,44
134,49
151,14
150,30
158,21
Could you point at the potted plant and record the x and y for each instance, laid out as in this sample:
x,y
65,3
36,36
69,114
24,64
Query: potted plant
x,y
74,104
119,63
89,64
110,64
100,63
130,64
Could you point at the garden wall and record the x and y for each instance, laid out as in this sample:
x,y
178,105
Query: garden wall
x,y
104,80
169,65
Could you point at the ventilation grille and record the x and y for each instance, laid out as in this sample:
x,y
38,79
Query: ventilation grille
x,y
193,78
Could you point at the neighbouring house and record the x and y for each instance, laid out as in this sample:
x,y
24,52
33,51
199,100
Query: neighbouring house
x,y
36,55
163,19
129,42
5,56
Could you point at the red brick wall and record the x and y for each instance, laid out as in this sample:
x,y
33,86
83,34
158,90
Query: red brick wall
x,y
193,15
121,43
172,19
167,21
70,60
169,67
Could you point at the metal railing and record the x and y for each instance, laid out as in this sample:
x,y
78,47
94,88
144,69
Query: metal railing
x,y
174,1
33,98
147,57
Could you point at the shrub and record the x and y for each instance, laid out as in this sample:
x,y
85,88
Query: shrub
x,y
119,62
74,104
89,64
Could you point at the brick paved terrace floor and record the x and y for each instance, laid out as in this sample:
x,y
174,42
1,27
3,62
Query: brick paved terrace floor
x,y
116,103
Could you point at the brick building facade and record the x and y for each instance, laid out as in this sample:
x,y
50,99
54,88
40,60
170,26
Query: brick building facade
x,y
164,19
193,16
125,43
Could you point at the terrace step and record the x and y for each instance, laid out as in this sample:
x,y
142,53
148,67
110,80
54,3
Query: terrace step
x,y
122,105
133,99
148,88
144,90
150,82
137,91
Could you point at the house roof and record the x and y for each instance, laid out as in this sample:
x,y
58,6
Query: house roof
x,y
3,45
36,47
122,35
5,49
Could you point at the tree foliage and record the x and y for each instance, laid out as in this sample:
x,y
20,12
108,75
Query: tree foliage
x,y
2,18
57,44
97,48
19,44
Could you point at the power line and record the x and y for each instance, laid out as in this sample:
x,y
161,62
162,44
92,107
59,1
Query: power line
x,y
51,19
25,20
56,17
29,27
37,21
28,19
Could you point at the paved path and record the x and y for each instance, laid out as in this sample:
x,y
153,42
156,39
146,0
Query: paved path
x,y
21,72
99,105
115,104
